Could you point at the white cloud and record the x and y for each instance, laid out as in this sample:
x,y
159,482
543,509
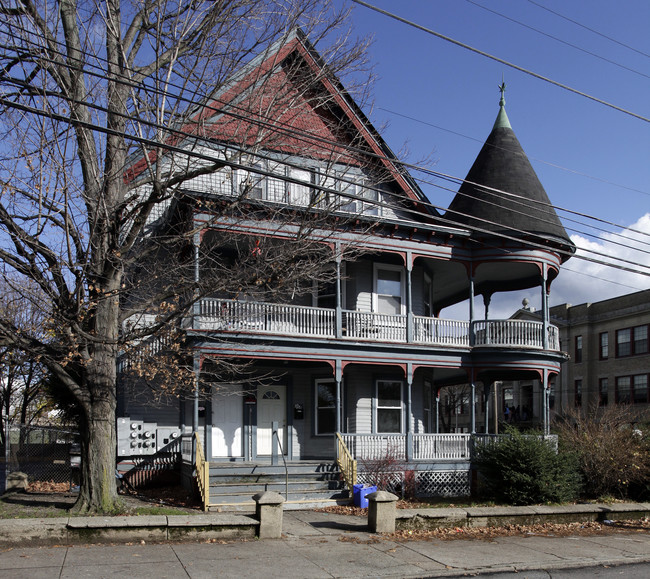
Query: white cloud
x,y
582,281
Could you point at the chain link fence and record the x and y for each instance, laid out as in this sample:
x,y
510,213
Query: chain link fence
x,y
43,453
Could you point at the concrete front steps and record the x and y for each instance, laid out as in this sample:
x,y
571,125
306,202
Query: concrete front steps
x,y
304,484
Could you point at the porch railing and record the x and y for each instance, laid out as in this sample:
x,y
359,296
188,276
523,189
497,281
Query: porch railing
x,y
259,317
347,464
523,333
292,320
424,447
440,331
380,327
202,467
376,446
441,446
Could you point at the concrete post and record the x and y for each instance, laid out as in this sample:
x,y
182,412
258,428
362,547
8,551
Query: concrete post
x,y
268,511
382,510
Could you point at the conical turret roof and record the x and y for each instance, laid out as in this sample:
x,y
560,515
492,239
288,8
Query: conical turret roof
x,y
502,195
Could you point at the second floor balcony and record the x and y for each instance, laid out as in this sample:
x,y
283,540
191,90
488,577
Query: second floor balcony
x,y
259,318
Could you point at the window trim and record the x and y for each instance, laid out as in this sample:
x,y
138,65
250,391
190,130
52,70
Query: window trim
x,y
632,343
577,392
603,346
375,294
377,408
317,382
578,346
631,384
603,400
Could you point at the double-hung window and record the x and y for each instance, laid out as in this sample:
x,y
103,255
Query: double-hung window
x,y
325,406
578,349
389,406
389,289
604,345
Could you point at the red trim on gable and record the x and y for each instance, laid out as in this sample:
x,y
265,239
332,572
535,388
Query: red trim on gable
x,y
303,118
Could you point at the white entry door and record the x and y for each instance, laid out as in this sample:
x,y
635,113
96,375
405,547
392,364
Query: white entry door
x,y
227,421
271,407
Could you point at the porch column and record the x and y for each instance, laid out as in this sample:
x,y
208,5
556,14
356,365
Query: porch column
x,y
471,309
195,408
545,311
196,307
486,397
545,390
338,377
472,411
339,310
409,297
409,408
437,410
487,298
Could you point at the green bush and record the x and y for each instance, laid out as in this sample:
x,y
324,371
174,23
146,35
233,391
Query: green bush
x,y
522,469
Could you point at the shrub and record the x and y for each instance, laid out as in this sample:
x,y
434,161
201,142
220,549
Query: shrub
x,y
522,469
613,451
386,471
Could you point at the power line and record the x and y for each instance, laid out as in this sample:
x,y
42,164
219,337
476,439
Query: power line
x,y
571,45
581,25
500,60
184,151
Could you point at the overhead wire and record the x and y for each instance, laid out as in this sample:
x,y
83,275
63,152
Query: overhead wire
x,y
560,40
581,25
184,151
500,60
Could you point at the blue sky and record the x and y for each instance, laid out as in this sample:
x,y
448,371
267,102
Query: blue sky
x,y
440,100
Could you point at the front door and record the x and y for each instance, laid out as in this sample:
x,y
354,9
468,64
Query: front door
x,y
227,421
271,407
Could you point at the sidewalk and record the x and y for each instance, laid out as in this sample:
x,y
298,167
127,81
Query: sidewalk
x,y
324,545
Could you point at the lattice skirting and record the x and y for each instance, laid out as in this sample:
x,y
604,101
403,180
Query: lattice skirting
x,y
428,483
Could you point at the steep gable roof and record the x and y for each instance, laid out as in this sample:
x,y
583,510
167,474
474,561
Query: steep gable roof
x,y
286,101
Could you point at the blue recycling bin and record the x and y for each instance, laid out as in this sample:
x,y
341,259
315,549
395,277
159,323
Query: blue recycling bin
x,y
359,494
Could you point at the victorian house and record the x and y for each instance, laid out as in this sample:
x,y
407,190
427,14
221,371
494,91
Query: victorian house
x,y
352,369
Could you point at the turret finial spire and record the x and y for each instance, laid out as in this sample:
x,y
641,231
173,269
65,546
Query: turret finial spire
x,y
502,89
502,118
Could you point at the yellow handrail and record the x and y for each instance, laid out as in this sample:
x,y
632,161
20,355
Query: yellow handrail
x,y
202,472
346,463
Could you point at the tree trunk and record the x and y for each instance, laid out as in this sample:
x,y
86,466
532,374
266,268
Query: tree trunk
x,y
98,490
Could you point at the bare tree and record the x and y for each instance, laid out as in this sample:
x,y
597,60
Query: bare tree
x,y
103,125
23,399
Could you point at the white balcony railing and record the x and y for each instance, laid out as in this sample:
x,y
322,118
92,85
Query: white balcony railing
x,y
439,331
291,320
379,327
392,447
515,333
263,318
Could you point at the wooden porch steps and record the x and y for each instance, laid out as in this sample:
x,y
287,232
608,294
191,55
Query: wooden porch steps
x,y
304,484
